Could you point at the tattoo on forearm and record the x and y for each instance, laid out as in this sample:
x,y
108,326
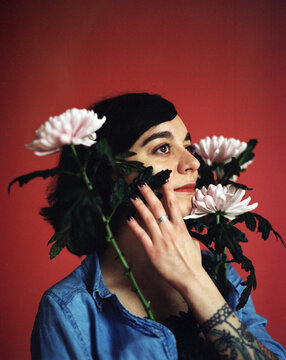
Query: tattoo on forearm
x,y
218,318
234,342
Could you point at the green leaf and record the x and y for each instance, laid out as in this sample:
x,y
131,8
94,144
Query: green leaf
x,y
80,210
60,240
249,284
203,238
265,227
198,224
159,179
225,235
154,181
250,221
118,193
206,176
230,237
247,154
127,167
225,182
248,218
257,222
231,168
104,153
221,236
24,179
86,222
124,155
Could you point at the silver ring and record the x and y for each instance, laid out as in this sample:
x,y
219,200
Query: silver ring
x,y
162,218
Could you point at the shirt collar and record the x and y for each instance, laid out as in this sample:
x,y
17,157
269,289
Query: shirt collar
x,y
95,281
99,291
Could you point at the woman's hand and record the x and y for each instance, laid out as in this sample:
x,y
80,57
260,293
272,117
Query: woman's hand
x,y
177,257
168,244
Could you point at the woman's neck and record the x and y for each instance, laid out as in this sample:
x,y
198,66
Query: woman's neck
x,y
165,300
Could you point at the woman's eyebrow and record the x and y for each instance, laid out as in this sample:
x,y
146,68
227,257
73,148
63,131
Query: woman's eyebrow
x,y
162,134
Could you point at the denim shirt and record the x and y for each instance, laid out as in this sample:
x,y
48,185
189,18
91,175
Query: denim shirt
x,y
78,318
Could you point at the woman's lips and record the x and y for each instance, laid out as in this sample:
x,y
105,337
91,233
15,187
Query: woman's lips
x,y
190,188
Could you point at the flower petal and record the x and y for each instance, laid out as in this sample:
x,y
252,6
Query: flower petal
x,y
227,199
74,126
219,149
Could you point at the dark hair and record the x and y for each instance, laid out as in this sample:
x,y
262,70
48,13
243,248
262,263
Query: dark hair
x,y
128,117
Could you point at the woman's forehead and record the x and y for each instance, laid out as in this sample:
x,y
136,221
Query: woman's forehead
x,y
175,126
169,129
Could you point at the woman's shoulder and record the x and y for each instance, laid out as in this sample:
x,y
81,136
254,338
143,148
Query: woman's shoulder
x,y
67,288
79,281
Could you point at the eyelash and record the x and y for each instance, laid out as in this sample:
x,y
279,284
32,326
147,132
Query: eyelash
x,y
190,148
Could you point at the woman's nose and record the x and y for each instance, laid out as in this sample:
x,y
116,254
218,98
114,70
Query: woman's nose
x,y
188,162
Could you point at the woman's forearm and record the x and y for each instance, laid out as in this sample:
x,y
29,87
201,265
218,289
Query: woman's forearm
x,y
231,338
223,329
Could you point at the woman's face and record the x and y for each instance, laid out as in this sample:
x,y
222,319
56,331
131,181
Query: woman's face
x,y
168,146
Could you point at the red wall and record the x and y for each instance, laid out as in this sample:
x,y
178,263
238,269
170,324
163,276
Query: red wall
x,y
221,62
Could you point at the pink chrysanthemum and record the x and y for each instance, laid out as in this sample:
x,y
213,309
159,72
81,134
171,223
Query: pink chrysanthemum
x,y
219,149
226,200
75,126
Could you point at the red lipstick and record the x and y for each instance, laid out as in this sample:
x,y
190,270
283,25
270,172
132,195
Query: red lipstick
x,y
189,188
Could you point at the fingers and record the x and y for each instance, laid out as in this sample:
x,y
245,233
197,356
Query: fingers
x,y
141,235
154,204
172,204
146,215
156,207
153,211
150,215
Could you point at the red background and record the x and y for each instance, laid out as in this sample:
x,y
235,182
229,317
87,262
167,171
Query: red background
x,y
221,62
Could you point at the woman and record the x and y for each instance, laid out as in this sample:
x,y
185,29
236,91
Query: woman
x,y
93,313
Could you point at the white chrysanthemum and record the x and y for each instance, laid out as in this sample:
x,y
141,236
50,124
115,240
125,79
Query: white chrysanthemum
x,y
217,198
74,126
219,149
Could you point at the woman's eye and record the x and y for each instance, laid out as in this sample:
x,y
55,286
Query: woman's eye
x,y
191,149
163,149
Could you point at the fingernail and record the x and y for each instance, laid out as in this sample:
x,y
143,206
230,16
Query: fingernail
x,y
141,184
134,197
129,217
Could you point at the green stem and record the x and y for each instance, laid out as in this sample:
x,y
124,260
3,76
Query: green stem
x,y
128,269
219,263
112,213
110,238
217,257
82,169
217,170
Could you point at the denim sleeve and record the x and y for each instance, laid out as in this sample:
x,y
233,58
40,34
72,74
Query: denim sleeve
x,y
55,335
255,323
